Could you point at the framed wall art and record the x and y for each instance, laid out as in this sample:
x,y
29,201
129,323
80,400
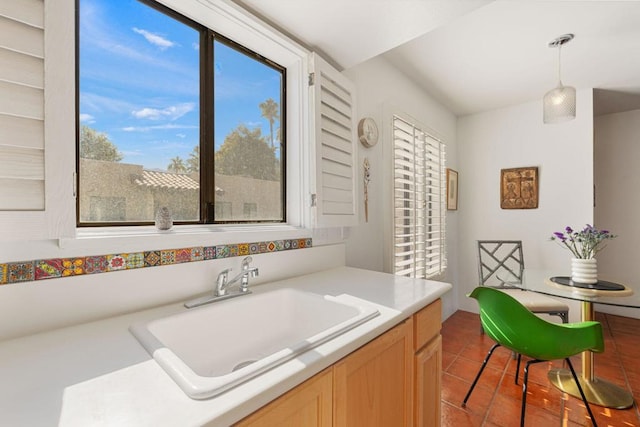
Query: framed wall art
x,y
452,190
519,188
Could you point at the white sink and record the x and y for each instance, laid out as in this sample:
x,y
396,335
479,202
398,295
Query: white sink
x,y
209,349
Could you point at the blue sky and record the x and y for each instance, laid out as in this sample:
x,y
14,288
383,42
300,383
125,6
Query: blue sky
x,y
139,82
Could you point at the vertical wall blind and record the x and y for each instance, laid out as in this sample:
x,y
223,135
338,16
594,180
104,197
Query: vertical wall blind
x,y
22,105
419,201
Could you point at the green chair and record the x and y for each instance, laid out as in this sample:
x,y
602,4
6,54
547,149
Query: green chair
x,y
512,325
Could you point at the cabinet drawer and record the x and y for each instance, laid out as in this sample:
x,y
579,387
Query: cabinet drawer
x,y
427,324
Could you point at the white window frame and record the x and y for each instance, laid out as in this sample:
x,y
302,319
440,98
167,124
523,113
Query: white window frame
x,y
58,221
426,257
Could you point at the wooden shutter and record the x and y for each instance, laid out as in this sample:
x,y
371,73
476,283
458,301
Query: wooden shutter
x,y
22,105
335,150
419,201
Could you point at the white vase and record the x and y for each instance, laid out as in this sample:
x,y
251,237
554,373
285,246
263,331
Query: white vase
x,y
584,270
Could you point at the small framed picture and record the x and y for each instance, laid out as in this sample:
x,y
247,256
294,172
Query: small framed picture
x,y
452,190
519,188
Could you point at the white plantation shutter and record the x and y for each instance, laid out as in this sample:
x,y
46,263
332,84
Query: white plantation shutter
x,y
333,100
419,201
22,105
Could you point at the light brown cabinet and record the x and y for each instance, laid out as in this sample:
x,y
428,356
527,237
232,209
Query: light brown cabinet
x,y
372,386
309,404
394,380
428,366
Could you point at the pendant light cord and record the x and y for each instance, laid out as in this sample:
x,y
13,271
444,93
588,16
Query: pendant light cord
x,y
559,66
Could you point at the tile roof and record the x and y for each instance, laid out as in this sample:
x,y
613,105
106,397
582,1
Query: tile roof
x,y
166,180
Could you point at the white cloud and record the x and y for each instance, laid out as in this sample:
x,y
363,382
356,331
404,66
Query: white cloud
x,y
172,112
159,127
181,135
98,104
155,39
196,46
87,118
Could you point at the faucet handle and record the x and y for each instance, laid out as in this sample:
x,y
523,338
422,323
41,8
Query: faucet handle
x,y
222,278
245,262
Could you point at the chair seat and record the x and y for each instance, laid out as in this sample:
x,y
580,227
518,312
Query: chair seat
x,y
536,302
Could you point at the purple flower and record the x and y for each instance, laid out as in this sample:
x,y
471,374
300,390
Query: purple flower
x,y
585,243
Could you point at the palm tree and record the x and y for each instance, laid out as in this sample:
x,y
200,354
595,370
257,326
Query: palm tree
x,y
177,165
270,111
193,162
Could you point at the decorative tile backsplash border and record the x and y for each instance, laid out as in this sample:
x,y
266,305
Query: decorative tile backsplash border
x,y
26,271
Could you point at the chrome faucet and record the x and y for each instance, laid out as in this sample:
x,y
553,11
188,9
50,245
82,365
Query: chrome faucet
x,y
223,284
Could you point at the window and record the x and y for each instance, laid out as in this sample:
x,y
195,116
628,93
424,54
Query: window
x,y
419,201
250,210
173,114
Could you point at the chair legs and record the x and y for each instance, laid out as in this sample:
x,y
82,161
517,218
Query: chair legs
x,y
575,378
524,384
584,398
484,364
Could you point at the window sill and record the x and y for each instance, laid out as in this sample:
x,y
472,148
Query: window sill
x,y
127,239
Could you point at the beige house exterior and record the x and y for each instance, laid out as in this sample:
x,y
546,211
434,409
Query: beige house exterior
x,y
122,192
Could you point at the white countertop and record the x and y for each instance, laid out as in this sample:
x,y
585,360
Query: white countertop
x,y
97,374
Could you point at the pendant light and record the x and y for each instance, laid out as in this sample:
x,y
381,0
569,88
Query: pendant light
x,y
559,104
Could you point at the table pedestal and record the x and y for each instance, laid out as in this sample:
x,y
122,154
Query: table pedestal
x,y
597,391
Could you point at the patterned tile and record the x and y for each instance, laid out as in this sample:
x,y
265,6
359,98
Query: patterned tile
x,y
135,260
21,272
116,262
25,271
233,250
72,267
48,268
197,253
3,274
243,249
222,251
168,257
95,264
151,258
183,255
209,252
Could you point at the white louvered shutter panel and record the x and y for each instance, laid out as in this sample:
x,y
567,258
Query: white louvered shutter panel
x,y
22,105
419,202
335,149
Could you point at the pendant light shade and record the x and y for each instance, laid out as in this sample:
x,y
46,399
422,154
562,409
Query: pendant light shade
x,y
559,104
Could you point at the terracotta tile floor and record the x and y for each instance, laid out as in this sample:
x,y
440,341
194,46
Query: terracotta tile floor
x,y
496,399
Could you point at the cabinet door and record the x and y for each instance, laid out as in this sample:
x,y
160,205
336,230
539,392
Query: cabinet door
x,y
428,384
373,385
309,404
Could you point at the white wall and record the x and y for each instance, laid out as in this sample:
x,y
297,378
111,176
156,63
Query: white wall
x,y
381,88
516,137
27,308
617,175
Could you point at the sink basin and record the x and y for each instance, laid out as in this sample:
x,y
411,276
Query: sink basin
x,y
209,349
